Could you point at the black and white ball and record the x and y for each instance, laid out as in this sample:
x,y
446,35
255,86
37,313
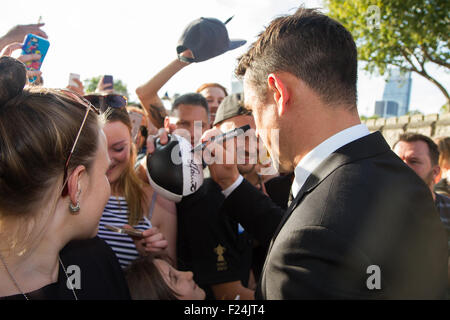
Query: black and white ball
x,y
171,169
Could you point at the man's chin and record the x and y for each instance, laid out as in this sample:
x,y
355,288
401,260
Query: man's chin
x,y
245,168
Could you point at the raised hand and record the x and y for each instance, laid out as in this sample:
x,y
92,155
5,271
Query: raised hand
x,y
18,33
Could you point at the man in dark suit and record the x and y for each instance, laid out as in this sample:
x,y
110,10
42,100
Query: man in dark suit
x,y
361,224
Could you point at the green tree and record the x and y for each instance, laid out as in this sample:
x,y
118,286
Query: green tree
x,y
364,118
90,85
408,34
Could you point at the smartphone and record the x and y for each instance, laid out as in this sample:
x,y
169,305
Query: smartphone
x,y
136,120
35,44
130,232
108,82
72,77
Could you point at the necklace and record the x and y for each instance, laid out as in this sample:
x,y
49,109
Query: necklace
x,y
68,281
17,285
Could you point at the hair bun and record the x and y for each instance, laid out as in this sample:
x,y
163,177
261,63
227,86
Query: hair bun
x,y
13,77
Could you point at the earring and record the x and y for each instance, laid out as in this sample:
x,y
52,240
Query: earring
x,y
74,209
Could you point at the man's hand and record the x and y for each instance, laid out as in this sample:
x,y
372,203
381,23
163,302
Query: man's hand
x,y
221,159
163,137
188,55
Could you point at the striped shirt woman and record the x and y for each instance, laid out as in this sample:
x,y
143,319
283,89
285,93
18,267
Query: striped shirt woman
x,y
116,214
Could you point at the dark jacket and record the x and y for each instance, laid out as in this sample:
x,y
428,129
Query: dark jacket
x,y
361,207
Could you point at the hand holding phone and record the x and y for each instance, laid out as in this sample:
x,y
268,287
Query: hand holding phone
x,y
106,84
34,44
72,78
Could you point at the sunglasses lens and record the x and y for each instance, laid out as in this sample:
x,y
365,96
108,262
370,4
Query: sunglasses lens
x,y
115,101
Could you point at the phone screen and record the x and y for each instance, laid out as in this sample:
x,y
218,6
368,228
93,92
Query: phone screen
x,y
134,232
73,76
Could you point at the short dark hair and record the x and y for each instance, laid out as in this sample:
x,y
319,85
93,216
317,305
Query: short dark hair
x,y
195,99
311,46
433,150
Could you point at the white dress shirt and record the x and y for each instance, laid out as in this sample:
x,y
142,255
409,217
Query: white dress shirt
x,y
315,157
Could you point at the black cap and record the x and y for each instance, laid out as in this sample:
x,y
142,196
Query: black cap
x,y
206,38
231,106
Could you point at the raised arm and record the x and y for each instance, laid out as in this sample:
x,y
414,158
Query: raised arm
x,y
148,92
18,33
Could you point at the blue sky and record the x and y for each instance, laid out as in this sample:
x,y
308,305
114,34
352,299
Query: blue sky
x,y
133,40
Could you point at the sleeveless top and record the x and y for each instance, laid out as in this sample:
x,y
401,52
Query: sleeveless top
x,y
116,214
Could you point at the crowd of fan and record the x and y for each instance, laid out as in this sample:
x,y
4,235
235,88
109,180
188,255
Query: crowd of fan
x,y
71,173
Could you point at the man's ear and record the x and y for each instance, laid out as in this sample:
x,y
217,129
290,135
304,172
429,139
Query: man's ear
x,y
166,122
436,172
168,125
438,177
74,183
279,89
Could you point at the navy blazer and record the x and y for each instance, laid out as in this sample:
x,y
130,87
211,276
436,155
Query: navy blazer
x,y
362,207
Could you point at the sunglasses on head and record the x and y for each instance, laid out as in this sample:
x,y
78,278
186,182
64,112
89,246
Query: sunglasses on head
x,y
89,107
103,102
95,103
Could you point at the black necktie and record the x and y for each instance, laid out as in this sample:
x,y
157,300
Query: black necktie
x,y
291,197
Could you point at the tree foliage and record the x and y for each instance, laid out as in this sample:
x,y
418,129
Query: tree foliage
x,y
408,34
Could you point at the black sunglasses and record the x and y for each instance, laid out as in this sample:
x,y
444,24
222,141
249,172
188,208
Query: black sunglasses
x,y
103,102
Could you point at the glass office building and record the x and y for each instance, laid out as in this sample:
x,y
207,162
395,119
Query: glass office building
x,y
396,95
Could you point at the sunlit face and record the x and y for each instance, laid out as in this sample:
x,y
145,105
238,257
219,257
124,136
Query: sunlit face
x,y
416,155
181,282
119,144
246,145
267,127
186,117
214,96
94,199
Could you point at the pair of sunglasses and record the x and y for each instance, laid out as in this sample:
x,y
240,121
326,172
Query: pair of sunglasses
x,y
81,101
103,102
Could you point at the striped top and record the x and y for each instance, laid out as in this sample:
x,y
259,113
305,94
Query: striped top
x,y
116,214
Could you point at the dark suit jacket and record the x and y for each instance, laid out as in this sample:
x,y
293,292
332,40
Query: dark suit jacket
x,y
362,206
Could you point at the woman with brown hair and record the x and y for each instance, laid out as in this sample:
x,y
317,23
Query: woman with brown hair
x,y
133,202
154,278
214,94
53,187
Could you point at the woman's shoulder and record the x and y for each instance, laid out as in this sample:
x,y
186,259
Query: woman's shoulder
x,y
86,246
